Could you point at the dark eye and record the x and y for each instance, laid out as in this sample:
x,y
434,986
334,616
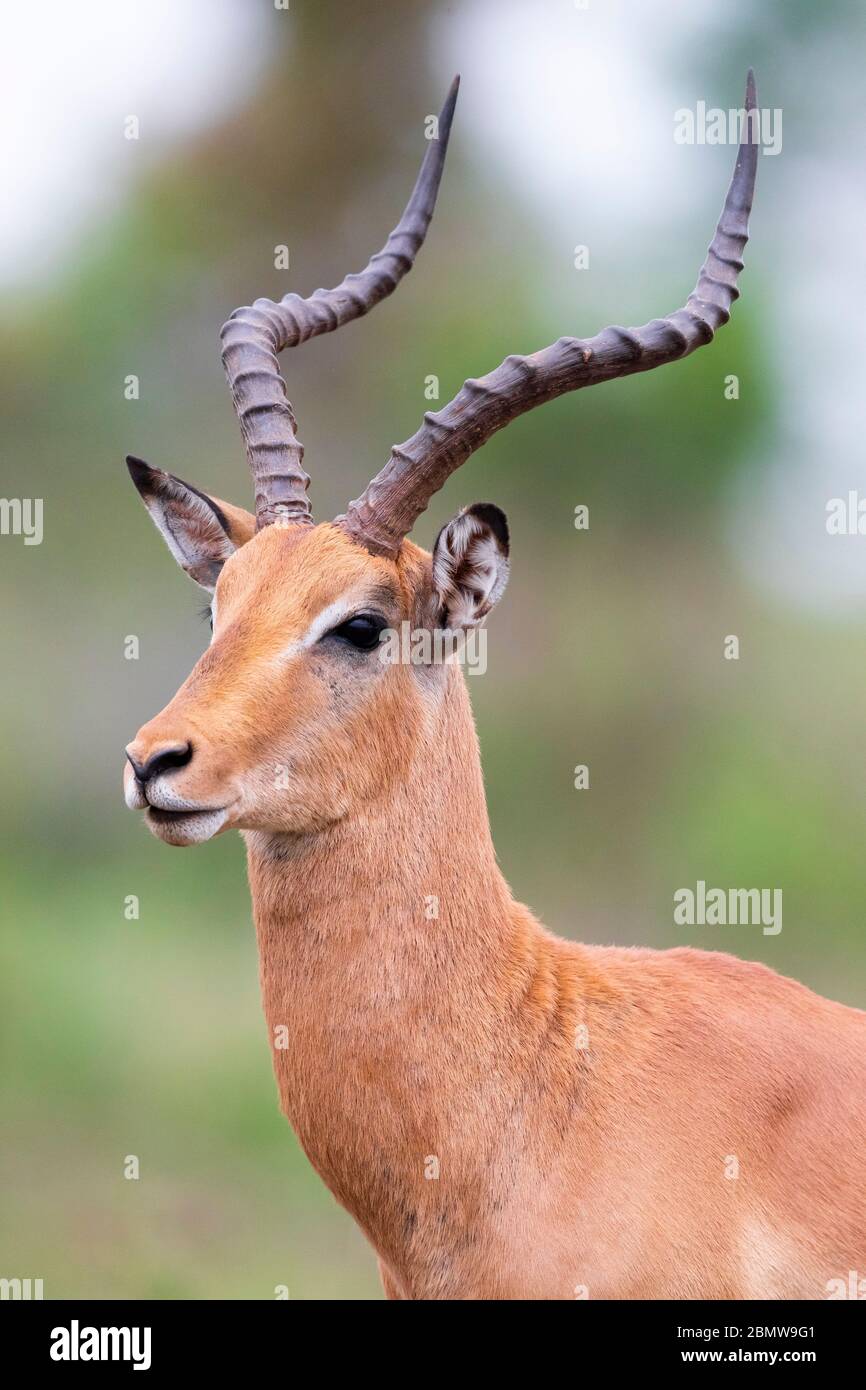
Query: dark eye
x,y
206,614
361,632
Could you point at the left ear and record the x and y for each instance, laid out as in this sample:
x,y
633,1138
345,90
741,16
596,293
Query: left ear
x,y
470,565
200,531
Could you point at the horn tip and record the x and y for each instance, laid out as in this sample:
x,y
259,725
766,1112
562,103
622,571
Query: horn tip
x,y
450,102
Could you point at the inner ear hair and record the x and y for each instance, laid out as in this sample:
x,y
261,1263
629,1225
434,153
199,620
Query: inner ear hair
x,y
197,528
470,564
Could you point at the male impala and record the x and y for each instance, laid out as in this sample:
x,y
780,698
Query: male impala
x,y
504,1113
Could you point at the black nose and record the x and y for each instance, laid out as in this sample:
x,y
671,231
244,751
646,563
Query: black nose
x,y
174,755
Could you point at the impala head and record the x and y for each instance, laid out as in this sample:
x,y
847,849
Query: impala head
x,y
291,719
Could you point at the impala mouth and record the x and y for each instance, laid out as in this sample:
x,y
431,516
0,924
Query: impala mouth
x,y
190,827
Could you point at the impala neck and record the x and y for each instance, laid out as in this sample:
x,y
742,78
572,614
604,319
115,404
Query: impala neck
x,y
385,943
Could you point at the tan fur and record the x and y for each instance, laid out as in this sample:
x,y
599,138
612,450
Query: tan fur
x,y
569,1162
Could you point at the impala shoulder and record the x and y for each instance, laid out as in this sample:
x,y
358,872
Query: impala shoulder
x,y
732,973
722,989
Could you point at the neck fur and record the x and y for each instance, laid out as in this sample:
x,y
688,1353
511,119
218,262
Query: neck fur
x,y
391,958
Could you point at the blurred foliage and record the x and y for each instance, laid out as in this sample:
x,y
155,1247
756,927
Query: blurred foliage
x,y
147,1037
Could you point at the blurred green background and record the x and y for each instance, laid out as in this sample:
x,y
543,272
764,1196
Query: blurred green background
x,y
261,127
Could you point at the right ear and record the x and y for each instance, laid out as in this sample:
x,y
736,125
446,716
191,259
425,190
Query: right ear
x,y
470,565
200,531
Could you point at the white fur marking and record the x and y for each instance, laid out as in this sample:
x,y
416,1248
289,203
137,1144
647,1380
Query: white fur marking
x,y
470,570
330,617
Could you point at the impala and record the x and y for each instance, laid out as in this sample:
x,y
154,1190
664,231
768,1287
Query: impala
x,y
505,1114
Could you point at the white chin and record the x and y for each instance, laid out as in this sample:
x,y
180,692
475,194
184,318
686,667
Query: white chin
x,y
184,827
